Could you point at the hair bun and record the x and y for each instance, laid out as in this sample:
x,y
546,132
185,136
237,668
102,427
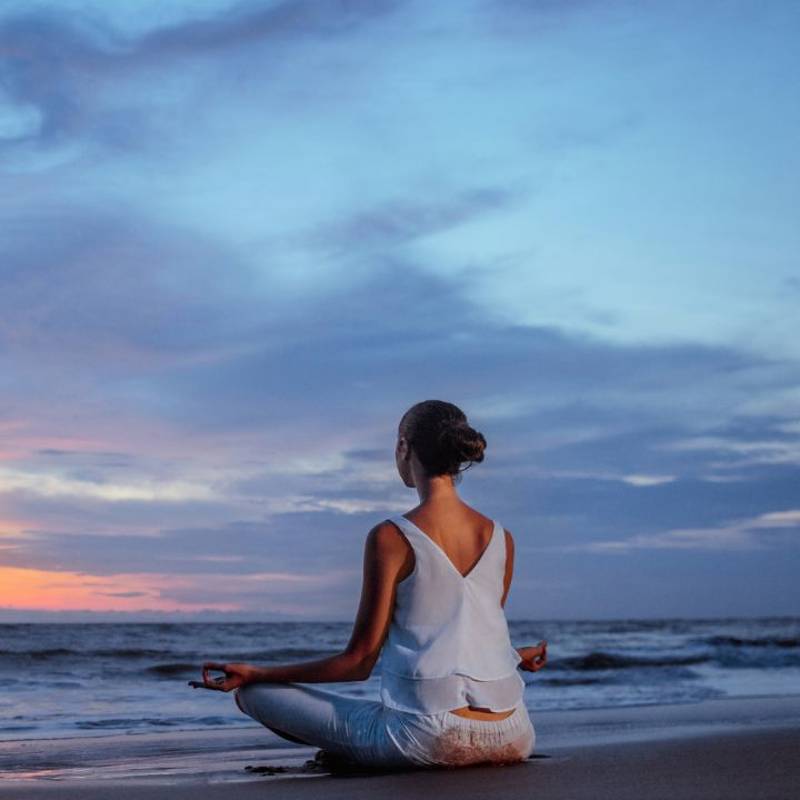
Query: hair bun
x,y
465,443
456,425
441,437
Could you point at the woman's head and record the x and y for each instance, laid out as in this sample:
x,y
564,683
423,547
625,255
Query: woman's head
x,y
441,438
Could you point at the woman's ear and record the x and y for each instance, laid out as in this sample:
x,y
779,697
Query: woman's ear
x,y
402,448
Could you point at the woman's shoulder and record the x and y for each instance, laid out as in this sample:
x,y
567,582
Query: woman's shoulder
x,y
387,546
387,538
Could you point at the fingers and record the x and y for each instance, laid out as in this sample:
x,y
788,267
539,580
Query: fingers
x,y
224,683
203,685
214,683
537,658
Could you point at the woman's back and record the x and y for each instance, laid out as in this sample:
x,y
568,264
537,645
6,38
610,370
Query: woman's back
x,y
448,643
463,534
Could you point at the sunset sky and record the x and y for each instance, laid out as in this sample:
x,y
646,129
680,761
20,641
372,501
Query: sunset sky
x,y
238,240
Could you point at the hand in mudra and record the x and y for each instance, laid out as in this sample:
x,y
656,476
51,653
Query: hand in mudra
x,y
533,658
236,675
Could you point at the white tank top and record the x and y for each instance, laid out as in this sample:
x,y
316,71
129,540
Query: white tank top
x,y
448,643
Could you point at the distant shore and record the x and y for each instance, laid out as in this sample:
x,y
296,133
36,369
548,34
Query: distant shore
x,y
725,748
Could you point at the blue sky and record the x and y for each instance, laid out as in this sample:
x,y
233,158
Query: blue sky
x,y
240,239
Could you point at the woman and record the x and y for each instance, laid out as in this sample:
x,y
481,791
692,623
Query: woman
x,y
435,582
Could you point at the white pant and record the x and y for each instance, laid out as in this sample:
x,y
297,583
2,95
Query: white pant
x,y
370,733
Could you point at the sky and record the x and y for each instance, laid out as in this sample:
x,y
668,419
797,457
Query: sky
x,y
239,239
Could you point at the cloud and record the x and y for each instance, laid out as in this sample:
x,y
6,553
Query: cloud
x,y
116,292
745,534
36,483
737,453
398,222
599,475
264,21
275,548
647,480
58,66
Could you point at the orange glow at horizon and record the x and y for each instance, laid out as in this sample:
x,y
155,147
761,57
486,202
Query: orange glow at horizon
x,y
42,590
12,527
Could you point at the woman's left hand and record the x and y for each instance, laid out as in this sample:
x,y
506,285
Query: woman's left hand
x,y
236,675
533,658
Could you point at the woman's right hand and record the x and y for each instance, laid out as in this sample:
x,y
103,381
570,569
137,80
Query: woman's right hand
x,y
533,658
236,676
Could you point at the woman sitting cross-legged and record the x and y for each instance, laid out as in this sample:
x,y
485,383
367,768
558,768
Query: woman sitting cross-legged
x,y
435,583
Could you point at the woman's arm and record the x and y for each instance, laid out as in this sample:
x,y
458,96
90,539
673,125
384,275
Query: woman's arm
x,y
340,667
533,658
509,572
384,555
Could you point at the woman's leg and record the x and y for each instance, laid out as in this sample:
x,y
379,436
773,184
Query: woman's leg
x,y
280,733
351,727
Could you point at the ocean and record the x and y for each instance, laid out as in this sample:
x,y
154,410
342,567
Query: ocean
x,y
93,679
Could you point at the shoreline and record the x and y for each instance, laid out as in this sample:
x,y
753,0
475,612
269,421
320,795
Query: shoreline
x,y
188,760
609,712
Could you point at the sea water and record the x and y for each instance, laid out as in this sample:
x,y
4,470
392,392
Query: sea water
x,y
68,679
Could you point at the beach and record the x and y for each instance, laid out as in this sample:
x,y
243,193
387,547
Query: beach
x,y
718,748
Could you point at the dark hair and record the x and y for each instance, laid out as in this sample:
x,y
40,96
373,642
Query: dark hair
x,y
441,437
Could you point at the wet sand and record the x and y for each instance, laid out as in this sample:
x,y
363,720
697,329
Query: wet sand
x,y
730,748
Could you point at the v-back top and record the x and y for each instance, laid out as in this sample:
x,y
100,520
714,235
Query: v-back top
x,y
448,643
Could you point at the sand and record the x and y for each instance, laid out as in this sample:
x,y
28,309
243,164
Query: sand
x,y
730,748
